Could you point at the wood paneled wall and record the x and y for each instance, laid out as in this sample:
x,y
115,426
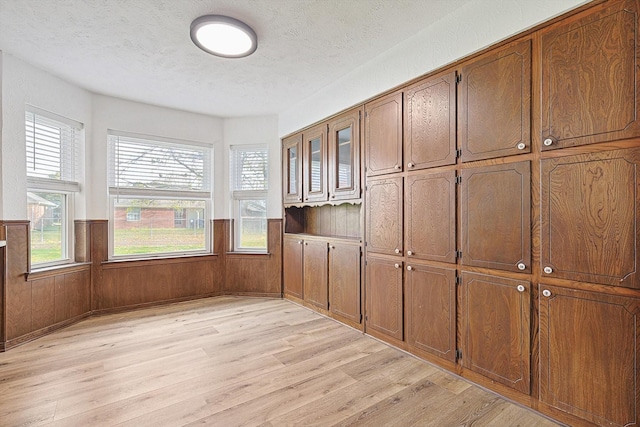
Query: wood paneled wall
x,y
34,304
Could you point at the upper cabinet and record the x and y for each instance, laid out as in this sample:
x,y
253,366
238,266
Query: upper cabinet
x,y
590,212
430,122
495,104
344,156
589,72
292,169
314,164
383,135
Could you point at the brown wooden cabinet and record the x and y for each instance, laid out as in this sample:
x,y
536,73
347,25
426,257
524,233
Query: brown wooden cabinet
x,y
292,169
315,276
495,322
589,353
430,216
344,156
495,216
314,165
590,213
344,280
430,309
383,135
384,216
384,305
430,123
495,103
292,247
590,91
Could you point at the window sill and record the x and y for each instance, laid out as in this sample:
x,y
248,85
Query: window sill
x,y
254,255
174,259
44,272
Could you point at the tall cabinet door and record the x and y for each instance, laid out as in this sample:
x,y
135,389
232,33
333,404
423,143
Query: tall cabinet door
x,y
430,309
344,280
344,152
495,319
314,164
590,212
430,123
383,135
384,216
292,266
495,104
430,215
589,77
589,355
292,169
496,216
384,308
316,290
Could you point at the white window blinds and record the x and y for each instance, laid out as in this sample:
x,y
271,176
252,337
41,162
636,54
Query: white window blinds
x,y
249,168
52,151
144,165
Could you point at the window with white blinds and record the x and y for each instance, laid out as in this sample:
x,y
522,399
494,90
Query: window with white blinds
x,y
249,183
160,195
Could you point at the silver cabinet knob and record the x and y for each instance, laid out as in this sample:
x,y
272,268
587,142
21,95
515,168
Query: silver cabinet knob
x,y
521,266
396,265
332,247
410,165
546,293
409,253
299,242
397,251
548,270
396,167
520,288
547,142
409,268
521,146
306,243
333,196
299,199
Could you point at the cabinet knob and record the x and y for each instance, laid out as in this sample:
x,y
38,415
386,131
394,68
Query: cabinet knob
x,y
521,266
547,142
410,165
332,247
396,265
521,146
333,196
546,293
548,270
299,242
409,252
520,288
397,251
306,243
396,167
409,268
299,199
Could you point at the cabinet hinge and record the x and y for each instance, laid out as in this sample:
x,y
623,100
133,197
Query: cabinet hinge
x,y
458,153
366,318
458,179
359,115
458,254
361,318
458,78
458,280
458,354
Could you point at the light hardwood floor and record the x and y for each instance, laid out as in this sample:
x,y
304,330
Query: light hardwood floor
x,y
230,362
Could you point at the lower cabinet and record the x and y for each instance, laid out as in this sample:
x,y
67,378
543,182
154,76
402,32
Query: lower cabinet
x,y
292,265
315,273
430,309
384,305
495,323
344,280
589,353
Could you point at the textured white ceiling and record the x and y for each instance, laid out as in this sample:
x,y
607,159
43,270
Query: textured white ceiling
x,y
141,49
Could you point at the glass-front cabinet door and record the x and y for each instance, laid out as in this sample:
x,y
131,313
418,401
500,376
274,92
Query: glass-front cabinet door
x,y
315,164
344,152
292,169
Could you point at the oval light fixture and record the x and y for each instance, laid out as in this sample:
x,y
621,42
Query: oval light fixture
x,y
223,36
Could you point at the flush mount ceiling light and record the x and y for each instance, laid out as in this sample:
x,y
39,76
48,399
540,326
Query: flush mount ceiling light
x,y
223,36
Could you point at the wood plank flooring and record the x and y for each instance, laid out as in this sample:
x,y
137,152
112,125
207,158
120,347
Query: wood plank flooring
x,y
233,362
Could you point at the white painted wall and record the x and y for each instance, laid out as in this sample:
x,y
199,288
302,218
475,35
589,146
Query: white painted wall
x,y
250,131
468,29
24,84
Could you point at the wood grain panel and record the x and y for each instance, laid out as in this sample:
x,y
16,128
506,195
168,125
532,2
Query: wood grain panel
x,y
292,266
496,216
590,209
333,221
384,297
292,169
344,280
589,352
430,309
589,77
315,273
495,317
384,216
315,181
495,104
430,123
383,135
42,303
430,216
